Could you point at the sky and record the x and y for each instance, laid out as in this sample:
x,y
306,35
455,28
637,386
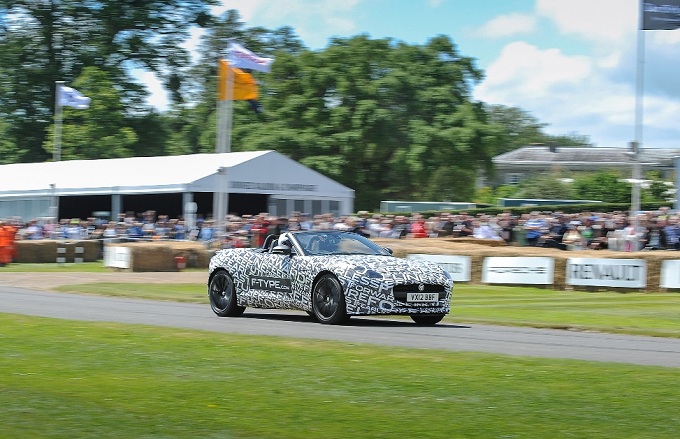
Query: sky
x,y
578,66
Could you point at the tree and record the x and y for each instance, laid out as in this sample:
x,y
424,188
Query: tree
x,y
606,186
9,152
392,117
518,128
42,42
546,186
99,131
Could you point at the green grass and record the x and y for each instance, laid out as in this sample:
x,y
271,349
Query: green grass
x,y
655,314
85,267
630,313
66,379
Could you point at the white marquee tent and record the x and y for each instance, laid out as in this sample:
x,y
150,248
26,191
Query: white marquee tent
x,y
31,190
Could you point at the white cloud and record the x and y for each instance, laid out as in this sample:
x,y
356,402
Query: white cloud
x,y
158,97
334,17
246,8
566,92
529,70
592,93
596,20
508,25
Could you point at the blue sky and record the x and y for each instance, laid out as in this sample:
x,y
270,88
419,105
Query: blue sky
x,y
570,63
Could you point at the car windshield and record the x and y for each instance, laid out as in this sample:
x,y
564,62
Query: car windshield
x,y
316,243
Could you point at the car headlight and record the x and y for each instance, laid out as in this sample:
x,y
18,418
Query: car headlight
x,y
372,274
366,272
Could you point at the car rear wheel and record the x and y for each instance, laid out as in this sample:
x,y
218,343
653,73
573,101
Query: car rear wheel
x,y
427,319
328,301
222,294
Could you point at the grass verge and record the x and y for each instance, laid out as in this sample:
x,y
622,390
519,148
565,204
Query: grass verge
x,y
75,379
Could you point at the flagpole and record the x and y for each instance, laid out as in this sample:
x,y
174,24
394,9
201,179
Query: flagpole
x,y
229,109
224,127
639,107
58,117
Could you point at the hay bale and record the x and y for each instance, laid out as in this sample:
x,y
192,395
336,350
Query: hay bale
x,y
45,251
36,252
160,255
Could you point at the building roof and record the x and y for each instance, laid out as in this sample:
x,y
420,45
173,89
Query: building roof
x,y
584,156
266,172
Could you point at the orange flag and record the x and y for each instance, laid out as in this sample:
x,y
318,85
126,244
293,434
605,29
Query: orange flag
x,y
245,86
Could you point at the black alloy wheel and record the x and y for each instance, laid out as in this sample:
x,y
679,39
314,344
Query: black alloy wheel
x,y
328,301
222,294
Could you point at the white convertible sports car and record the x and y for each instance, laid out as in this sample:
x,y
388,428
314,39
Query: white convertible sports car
x,y
331,275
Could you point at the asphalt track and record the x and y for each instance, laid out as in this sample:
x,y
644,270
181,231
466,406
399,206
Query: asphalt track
x,y
591,346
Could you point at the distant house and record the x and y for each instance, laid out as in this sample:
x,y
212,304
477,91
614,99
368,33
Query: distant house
x,y
520,164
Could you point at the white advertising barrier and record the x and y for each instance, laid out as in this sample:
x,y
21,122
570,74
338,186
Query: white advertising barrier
x,y
459,267
670,274
117,257
517,270
621,273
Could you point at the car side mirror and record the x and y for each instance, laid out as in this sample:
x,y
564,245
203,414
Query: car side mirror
x,y
281,250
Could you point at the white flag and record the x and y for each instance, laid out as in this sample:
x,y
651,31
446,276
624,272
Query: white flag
x,y
70,97
242,58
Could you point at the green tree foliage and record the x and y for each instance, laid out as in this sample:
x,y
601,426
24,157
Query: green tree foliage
x,y
605,186
388,119
394,118
518,128
99,131
42,42
9,152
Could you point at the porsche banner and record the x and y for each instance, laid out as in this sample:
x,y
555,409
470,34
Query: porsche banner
x,y
660,14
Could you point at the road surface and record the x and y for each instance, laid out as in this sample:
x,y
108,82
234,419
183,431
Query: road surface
x,y
22,297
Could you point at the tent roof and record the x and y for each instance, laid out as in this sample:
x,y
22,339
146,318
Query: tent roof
x,y
594,156
162,174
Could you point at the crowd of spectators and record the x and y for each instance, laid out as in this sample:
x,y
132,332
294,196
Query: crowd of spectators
x,y
653,230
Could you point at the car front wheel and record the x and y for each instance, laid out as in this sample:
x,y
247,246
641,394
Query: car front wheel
x,y
427,319
222,294
328,301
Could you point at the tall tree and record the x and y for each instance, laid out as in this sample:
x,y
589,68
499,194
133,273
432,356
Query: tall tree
x,y
394,118
98,132
607,186
518,128
42,42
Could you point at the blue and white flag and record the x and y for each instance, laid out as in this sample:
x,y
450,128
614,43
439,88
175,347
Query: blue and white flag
x,y
70,97
242,58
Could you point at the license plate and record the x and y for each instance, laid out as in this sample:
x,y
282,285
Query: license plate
x,y
422,297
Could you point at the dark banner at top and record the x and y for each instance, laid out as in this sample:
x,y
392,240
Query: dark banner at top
x,y
660,14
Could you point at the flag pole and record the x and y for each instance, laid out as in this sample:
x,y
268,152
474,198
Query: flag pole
x,y
224,126
229,109
58,117
225,110
639,100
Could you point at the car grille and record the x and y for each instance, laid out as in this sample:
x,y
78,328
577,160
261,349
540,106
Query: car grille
x,y
400,291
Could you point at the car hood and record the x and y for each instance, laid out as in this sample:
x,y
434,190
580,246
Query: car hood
x,y
391,266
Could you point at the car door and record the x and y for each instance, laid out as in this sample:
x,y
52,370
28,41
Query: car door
x,y
271,281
